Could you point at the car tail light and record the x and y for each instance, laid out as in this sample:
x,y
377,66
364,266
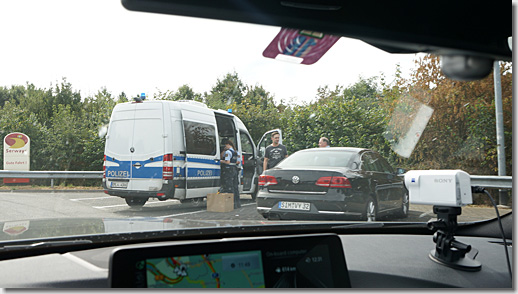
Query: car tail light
x,y
167,170
265,181
334,182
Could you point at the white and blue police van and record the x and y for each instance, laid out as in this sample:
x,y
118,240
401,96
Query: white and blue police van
x,y
171,150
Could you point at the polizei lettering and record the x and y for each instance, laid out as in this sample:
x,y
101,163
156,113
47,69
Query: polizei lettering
x,y
204,173
443,181
117,174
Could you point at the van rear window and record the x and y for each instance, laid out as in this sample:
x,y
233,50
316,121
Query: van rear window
x,y
119,137
148,137
143,136
199,138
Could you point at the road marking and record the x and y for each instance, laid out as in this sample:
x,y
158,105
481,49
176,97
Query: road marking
x,y
185,213
109,206
91,198
198,211
147,203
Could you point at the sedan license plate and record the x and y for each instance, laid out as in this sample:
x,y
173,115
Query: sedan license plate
x,y
294,205
119,184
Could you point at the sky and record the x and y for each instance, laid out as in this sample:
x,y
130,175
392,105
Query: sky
x,y
98,43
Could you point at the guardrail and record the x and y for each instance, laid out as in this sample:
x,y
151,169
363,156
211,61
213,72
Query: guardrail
x,y
499,182
51,175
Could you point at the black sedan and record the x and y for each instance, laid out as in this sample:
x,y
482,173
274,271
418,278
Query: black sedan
x,y
331,183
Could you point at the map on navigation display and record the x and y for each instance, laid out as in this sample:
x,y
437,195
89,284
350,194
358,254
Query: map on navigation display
x,y
227,270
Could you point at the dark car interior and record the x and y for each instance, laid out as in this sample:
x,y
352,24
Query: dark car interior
x,y
469,36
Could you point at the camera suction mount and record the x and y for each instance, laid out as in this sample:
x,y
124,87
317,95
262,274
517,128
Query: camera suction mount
x,y
448,251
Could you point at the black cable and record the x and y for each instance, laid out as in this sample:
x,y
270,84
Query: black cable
x,y
476,189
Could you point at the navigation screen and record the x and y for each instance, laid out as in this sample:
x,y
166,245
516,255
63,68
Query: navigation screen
x,y
226,270
303,261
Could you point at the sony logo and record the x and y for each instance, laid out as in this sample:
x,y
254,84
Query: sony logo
x,y
442,181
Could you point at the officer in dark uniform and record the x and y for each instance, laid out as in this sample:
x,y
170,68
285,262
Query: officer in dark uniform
x,y
229,172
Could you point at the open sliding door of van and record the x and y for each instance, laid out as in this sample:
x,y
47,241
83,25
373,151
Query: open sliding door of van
x,y
263,143
202,167
249,164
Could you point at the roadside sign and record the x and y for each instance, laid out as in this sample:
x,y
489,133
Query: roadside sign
x,y
16,155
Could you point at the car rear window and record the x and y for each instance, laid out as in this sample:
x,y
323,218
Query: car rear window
x,y
319,158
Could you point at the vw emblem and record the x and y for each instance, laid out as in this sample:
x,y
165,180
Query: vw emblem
x,y
295,180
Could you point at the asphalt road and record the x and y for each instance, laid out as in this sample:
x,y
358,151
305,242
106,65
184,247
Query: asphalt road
x,y
27,205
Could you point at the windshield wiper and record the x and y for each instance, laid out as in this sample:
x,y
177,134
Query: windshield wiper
x,y
44,244
374,225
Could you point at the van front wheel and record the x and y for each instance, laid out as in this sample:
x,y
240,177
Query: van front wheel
x,y
136,202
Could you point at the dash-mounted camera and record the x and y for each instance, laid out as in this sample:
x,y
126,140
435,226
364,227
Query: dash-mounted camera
x,y
439,187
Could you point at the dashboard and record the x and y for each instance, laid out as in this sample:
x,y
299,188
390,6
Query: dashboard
x,y
365,261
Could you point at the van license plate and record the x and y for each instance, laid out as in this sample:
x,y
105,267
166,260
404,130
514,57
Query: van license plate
x,y
294,205
119,184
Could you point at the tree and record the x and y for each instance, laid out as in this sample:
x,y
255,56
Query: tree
x,y
184,92
347,116
122,98
461,132
226,91
258,111
14,118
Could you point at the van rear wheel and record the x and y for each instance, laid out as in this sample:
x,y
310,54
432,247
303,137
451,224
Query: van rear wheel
x,y
136,202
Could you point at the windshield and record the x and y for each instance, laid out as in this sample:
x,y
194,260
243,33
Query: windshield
x,y
150,119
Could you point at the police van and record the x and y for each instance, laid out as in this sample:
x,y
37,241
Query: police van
x,y
171,150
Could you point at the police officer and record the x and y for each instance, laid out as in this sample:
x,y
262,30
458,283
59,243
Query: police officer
x,y
230,167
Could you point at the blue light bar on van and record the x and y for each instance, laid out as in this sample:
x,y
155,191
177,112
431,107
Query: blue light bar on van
x,y
142,96
229,110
